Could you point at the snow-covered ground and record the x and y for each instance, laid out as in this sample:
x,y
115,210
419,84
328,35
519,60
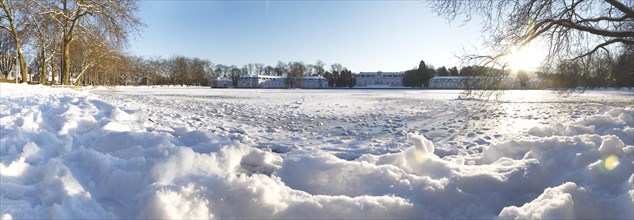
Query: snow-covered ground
x,y
231,153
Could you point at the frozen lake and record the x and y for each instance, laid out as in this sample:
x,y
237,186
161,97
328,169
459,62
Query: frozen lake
x,y
139,152
348,123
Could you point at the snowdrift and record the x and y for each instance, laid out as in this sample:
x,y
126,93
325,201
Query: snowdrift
x,y
67,154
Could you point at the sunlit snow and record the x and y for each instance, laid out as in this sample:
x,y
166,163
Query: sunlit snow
x,y
143,152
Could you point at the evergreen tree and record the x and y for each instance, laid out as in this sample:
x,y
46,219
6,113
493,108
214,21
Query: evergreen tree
x,y
623,71
425,74
454,71
421,74
442,71
409,78
345,79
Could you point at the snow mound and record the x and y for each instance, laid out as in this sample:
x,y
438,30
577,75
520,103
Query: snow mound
x,y
415,159
569,201
618,121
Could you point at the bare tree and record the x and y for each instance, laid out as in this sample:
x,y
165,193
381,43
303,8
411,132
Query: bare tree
x,y
336,67
96,48
161,69
234,73
44,30
219,70
141,70
311,70
623,70
228,70
122,70
259,68
296,71
13,20
198,71
251,68
571,29
268,70
281,69
181,70
319,67
117,18
245,70
7,54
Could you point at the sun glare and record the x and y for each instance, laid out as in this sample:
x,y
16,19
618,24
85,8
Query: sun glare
x,y
525,58
611,162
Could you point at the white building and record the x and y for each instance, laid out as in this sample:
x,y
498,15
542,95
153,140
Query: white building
x,y
262,81
248,81
474,82
448,82
314,82
536,83
271,82
510,82
220,82
379,79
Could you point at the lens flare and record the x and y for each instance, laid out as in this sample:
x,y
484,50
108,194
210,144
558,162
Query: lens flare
x,y
611,162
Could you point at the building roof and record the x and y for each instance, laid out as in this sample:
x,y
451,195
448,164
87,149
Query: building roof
x,y
221,79
379,73
282,77
440,78
262,76
314,77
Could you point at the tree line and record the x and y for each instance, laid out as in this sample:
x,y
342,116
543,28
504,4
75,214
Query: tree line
x,y
193,71
601,70
420,76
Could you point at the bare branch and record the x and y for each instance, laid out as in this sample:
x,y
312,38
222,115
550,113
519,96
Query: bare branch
x,y
623,8
601,32
603,18
602,46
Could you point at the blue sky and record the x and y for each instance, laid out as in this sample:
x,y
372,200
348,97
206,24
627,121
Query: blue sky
x,y
361,35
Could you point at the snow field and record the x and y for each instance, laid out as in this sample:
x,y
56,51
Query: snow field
x,y
114,154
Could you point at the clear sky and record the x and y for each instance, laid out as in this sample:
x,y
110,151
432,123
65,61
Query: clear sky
x,y
361,35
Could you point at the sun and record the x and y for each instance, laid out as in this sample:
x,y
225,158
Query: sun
x,y
526,58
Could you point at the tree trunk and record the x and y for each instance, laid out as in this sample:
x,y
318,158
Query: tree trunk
x,y
66,63
85,80
44,70
53,71
22,63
